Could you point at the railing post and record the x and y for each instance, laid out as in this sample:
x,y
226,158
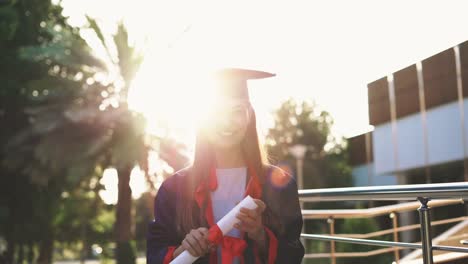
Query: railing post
x,y
331,223
426,238
396,252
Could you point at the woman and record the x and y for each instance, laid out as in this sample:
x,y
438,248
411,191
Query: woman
x,y
228,165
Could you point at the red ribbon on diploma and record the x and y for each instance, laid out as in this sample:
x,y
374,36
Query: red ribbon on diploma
x,y
231,247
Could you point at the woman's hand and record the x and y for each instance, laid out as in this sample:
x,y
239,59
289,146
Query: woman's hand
x,y
195,243
251,222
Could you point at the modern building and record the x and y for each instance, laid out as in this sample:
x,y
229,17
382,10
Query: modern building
x,y
420,119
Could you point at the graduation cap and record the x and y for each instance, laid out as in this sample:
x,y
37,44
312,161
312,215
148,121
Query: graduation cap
x,y
231,83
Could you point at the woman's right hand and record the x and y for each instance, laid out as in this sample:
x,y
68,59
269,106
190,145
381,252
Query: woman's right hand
x,y
195,242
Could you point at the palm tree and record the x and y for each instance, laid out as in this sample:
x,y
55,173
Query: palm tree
x,y
77,123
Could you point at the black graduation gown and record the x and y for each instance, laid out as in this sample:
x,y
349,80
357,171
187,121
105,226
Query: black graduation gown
x,y
282,200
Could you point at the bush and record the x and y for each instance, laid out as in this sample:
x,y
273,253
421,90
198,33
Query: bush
x,y
363,225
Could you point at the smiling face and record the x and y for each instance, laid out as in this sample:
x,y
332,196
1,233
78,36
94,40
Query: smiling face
x,y
228,123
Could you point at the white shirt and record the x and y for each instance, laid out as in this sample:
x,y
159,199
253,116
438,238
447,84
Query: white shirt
x,y
230,191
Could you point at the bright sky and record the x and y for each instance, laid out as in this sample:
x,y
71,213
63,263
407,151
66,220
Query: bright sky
x,y
325,51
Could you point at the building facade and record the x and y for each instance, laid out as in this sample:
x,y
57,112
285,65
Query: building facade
x,y
420,119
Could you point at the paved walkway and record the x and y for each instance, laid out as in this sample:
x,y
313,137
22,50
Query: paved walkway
x,y
139,261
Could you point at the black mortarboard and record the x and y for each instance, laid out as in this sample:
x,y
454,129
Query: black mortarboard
x,y
232,82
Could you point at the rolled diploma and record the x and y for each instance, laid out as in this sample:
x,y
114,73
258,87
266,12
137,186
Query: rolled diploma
x,y
226,224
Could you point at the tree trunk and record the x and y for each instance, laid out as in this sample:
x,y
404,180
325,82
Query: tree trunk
x,y
11,246
46,248
21,253
30,252
125,254
84,240
124,206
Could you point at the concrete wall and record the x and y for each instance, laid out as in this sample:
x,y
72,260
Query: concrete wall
x,y
406,149
361,177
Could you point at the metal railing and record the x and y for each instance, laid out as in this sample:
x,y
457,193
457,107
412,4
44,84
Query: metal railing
x,y
391,211
420,192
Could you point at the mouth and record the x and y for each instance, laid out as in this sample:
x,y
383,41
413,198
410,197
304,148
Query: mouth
x,y
227,133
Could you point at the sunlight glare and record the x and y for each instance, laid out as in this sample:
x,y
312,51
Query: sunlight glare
x,y
138,182
306,49
110,193
157,168
171,97
110,181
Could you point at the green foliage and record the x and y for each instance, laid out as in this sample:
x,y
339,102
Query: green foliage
x,y
8,24
65,119
70,108
300,123
65,48
52,104
325,162
27,206
364,225
104,222
129,59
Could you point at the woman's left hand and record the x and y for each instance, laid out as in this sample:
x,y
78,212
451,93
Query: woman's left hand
x,y
251,221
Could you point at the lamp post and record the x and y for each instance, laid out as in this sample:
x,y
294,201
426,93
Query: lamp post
x,y
298,151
